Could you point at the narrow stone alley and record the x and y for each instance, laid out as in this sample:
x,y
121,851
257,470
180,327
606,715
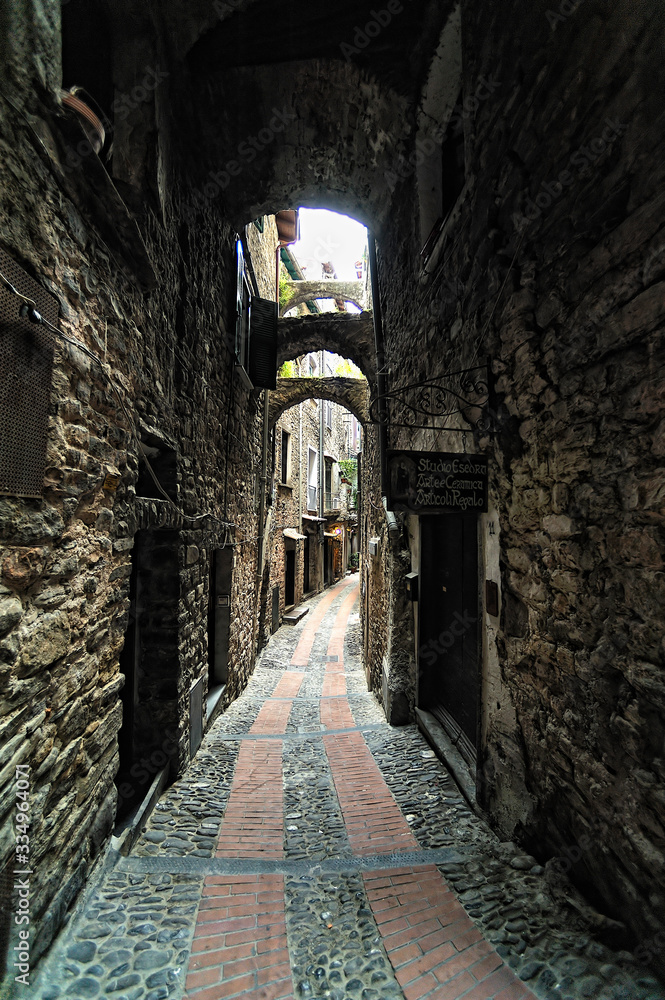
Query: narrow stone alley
x,y
311,850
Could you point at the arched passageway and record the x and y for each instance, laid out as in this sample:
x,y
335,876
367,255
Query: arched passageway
x,y
516,205
351,336
351,393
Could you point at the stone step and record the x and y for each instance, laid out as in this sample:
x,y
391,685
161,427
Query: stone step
x,y
293,617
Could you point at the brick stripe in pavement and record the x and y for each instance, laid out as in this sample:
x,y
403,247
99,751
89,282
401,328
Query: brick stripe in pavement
x,y
334,685
437,952
338,631
336,714
253,825
303,650
289,684
240,946
274,714
373,820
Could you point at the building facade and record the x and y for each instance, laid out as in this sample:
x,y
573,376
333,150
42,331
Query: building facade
x,y
508,165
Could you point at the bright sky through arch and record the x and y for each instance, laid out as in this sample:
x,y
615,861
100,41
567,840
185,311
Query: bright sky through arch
x,y
327,236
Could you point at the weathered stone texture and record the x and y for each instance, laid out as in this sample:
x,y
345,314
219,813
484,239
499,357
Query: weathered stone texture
x,y
350,393
563,292
65,561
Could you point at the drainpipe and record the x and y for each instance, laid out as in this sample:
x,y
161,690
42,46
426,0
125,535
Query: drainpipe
x,y
380,362
263,482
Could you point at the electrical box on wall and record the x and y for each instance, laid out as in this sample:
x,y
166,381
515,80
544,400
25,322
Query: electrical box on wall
x,y
374,546
412,586
491,598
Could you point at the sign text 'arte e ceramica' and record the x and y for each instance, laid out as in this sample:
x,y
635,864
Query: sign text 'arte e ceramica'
x,y
437,481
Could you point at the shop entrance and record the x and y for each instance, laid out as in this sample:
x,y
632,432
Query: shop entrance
x,y
448,654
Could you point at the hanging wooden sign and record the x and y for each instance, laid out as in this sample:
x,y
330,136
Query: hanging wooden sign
x,y
431,482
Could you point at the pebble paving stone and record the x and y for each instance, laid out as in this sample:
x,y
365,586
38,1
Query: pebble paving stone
x,y
312,851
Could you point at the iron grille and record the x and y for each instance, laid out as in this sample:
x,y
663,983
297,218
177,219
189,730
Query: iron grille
x,y
26,368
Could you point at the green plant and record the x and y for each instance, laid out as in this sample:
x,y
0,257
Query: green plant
x,y
284,287
354,559
347,369
348,468
288,370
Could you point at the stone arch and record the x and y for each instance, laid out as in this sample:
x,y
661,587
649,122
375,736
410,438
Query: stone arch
x,y
304,291
351,393
320,133
351,336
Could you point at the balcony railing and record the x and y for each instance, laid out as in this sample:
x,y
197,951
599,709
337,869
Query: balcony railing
x,y
333,501
311,497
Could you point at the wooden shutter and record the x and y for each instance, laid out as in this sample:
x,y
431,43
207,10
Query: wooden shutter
x,y
26,367
263,344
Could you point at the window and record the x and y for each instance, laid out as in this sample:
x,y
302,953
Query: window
x,y
243,306
285,466
256,332
312,477
328,411
312,365
452,166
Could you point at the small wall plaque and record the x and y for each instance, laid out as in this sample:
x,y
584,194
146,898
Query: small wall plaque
x,y
492,598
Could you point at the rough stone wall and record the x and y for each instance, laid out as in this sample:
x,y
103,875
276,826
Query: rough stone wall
x,y
554,269
65,560
374,569
285,511
346,393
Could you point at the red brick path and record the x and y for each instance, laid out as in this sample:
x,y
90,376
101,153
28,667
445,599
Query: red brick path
x,y
274,715
253,825
337,715
437,952
303,650
240,947
240,944
373,820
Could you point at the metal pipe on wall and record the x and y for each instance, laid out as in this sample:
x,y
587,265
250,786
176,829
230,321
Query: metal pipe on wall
x,y
380,362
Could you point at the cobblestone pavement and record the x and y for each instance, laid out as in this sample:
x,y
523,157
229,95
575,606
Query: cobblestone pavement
x,y
313,851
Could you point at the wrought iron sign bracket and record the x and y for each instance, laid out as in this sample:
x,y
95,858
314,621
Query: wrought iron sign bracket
x,y
433,403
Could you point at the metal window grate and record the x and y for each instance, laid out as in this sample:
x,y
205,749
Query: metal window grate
x,y
26,367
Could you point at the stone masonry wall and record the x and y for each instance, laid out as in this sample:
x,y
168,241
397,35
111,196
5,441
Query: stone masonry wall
x,y
65,560
553,268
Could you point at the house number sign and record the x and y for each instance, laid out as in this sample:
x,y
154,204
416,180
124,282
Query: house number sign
x,y
437,482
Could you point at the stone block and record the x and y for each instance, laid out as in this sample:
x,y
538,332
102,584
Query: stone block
x,y
23,566
11,612
44,641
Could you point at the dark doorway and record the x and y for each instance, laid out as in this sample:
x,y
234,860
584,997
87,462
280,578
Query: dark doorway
x,y
275,609
327,562
219,616
148,737
290,578
448,667
305,565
